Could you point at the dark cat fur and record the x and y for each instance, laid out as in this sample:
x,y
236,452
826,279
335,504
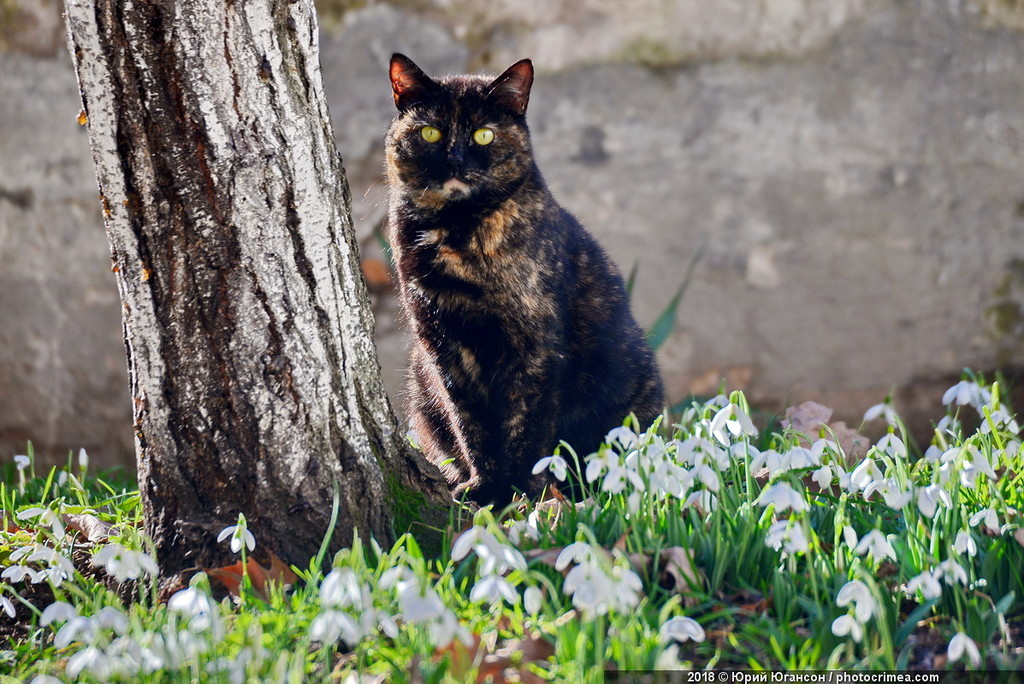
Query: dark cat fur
x,y
522,330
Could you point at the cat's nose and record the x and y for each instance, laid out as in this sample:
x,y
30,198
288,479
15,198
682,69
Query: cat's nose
x,y
457,159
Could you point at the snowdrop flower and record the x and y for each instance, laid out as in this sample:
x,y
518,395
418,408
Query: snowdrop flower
x,y
195,605
1001,419
83,459
239,534
966,392
932,454
110,618
595,591
789,537
976,465
875,544
927,583
708,477
18,573
965,543
556,464
492,589
60,567
341,589
929,498
847,625
989,518
615,481
75,629
626,438
731,420
823,477
6,606
577,552
784,497
961,644
21,461
892,445
883,409
952,572
496,557
857,593
682,629
864,474
533,600
92,659
894,498
44,516
123,563
331,625
45,679
520,530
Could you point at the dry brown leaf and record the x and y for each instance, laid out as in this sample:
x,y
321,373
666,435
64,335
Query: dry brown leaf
x,y
682,575
94,529
1019,535
230,576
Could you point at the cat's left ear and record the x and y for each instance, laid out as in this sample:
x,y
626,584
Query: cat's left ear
x,y
512,89
408,82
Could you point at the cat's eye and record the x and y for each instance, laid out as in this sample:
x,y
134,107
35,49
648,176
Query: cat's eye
x,y
430,134
483,136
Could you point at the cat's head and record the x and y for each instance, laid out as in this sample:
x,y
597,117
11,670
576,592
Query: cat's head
x,y
460,138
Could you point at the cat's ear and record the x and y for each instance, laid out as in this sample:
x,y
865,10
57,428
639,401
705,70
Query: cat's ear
x,y
409,84
512,89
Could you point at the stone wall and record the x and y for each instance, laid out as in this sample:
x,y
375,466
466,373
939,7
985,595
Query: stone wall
x,y
851,173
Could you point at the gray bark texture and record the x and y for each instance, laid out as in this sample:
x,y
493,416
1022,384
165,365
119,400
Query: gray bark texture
x,y
255,382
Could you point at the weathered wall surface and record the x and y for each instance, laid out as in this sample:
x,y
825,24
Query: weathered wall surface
x,y
851,170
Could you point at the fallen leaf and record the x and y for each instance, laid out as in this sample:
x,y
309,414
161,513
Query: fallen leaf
x,y
230,576
94,529
679,574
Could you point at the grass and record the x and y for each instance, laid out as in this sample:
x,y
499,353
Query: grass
x,y
700,543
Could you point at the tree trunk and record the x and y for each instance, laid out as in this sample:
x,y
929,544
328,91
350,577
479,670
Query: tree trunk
x,y
255,382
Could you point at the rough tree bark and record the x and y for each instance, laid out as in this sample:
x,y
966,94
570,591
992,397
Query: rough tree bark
x,y
255,382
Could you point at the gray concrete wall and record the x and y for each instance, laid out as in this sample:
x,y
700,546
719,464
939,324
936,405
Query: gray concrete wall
x,y
851,170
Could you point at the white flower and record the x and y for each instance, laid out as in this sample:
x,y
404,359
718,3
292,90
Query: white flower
x,y
928,499
123,563
92,659
789,537
976,465
966,392
681,629
892,445
846,624
595,590
886,409
21,461
965,543
731,420
191,602
533,600
341,589
876,544
952,572
615,481
894,498
624,436
44,516
83,459
961,644
927,583
45,679
110,618
239,534
865,474
857,593
989,518
496,557
556,464
492,589
7,606
60,567
577,552
18,573
823,477
331,625
784,497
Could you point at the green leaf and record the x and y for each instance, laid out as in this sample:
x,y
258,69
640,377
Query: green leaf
x,y
631,280
666,322
908,627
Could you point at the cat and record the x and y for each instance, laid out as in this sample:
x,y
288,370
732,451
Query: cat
x,y
523,334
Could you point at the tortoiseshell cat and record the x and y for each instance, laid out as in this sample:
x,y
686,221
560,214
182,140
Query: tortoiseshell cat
x,y
522,330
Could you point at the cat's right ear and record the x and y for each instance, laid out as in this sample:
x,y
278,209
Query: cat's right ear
x,y
408,83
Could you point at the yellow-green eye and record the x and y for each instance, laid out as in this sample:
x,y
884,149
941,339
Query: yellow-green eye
x,y
430,134
483,136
